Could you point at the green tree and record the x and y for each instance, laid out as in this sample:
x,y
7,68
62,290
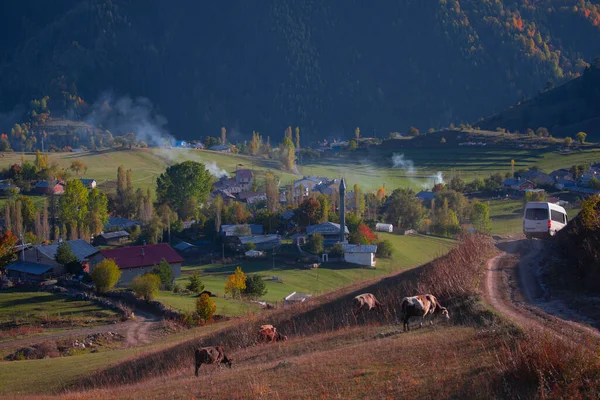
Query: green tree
x,y
182,181
64,254
165,273
581,137
404,209
105,275
205,307
195,283
542,132
352,145
98,211
324,208
236,283
146,286
481,218
27,210
385,249
255,286
130,139
315,244
74,205
287,153
595,183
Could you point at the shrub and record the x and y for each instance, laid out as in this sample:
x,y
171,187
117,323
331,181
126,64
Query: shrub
x,y
337,250
195,284
315,244
165,273
105,275
250,246
385,249
146,286
205,307
255,286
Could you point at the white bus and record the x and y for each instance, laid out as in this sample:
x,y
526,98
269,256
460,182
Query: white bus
x,y
543,219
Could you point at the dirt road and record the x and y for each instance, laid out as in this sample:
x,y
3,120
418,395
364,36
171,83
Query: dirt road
x,y
513,288
137,332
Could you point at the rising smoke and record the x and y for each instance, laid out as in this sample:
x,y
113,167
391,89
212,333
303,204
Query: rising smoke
x,y
408,166
215,170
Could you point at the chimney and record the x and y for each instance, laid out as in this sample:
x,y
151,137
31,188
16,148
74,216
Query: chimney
x,y
342,211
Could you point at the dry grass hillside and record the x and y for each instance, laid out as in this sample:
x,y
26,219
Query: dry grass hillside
x,y
331,354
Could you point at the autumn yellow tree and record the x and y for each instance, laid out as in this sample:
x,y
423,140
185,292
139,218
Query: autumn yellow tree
x,y
205,307
77,166
298,137
236,283
357,132
223,135
381,193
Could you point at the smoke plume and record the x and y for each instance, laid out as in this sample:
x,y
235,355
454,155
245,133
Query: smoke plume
x,y
399,161
215,170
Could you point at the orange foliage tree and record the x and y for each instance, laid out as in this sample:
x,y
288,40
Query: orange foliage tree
x,y
205,307
7,244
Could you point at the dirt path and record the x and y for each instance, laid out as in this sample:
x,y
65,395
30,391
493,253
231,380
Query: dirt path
x,y
137,332
512,288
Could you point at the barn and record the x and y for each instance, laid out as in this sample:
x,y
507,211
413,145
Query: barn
x,y
360,254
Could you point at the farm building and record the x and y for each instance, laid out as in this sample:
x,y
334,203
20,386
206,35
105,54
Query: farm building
x,y
380,227
329,230
29,271
46,255
137,260
295,298
111,238
243,177
360,254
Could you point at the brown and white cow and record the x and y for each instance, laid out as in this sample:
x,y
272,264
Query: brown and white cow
x,y
422,306
210,355
268,333
365,300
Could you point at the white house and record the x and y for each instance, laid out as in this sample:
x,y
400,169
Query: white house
x,y
360,254
384,227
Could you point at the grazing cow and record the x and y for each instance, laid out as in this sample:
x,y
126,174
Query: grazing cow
x,y
365,299
268,333
422,306
210,355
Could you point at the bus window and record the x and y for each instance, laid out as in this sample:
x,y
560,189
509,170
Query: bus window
x,y
536,214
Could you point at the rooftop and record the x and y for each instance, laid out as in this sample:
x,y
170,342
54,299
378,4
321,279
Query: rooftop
x,y
29,267
259,239
326,228
297,296
80,249
243,174
425,195
142,256
230,230
114,235
360,248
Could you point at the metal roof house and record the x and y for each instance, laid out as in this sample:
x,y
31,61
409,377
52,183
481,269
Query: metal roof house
x,y
262,242
329,230
111,238
29,270
360,254
120,223
47,254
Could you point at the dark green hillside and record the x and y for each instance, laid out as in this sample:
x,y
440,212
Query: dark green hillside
x,y
564,111
327,66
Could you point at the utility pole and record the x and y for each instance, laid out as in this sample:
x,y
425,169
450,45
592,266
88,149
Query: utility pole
x,y
223,252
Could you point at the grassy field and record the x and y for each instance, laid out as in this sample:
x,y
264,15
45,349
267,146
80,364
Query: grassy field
x,y
371,168
187,302
19,309
147,164
410,251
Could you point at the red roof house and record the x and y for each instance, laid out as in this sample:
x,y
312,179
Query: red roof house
x,y
137,260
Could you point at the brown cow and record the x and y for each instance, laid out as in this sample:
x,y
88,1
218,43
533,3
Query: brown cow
x,y
365,299
422,306
210,355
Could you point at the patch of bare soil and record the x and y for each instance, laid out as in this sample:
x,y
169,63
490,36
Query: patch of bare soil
x,y
137,332
512,288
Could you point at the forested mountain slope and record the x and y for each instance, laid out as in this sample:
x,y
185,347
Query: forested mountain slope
x,y
327,66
